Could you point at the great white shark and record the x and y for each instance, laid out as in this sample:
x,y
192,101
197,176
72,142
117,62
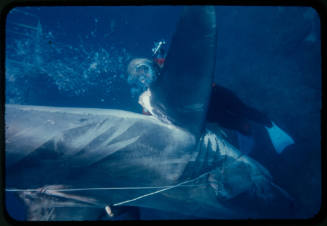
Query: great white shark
x,y
79,163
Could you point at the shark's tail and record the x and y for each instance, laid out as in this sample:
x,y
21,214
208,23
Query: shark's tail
x,y
279,138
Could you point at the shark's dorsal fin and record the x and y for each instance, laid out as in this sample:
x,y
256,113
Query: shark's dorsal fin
x,y
181,93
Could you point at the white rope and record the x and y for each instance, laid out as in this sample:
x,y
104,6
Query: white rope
x,y
165,189
90,189
288,196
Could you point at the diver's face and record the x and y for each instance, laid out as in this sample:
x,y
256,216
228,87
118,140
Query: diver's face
x,y
144,74
141,73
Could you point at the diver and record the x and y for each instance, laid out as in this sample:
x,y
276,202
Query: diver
x,y
231,113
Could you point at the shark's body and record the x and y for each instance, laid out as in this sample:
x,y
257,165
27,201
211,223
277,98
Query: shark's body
x,y
111,157
76,164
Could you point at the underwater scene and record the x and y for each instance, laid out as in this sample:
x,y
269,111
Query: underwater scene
x,y
162,112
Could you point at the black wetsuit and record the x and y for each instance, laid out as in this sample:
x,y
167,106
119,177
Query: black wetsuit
x,y
230,112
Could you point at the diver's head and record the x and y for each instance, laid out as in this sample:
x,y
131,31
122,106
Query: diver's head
x,y
141,72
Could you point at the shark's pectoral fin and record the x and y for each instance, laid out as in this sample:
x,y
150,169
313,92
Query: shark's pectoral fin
x,y
181,93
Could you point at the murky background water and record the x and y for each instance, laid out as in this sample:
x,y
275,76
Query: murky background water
x,y
269,56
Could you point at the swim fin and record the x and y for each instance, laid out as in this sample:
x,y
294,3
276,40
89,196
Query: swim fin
x,y
279,138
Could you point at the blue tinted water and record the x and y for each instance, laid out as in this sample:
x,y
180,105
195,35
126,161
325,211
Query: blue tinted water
x,y
269,56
